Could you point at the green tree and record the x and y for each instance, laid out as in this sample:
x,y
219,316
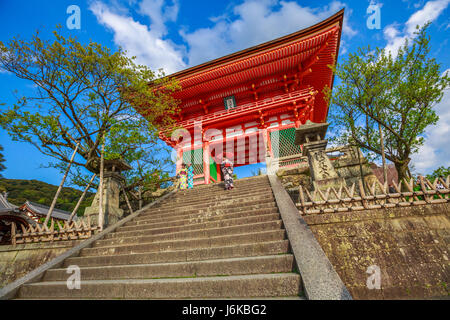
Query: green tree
x,y
394,95
439,172
84,93
2,159
258,172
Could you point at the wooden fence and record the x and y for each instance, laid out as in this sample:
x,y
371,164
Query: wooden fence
x,y
376,196
58,231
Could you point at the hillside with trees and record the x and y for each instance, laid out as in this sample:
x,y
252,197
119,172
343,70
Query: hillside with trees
x,y
40,192
2,159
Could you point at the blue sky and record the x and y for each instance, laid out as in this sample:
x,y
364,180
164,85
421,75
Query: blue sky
x,y
177,34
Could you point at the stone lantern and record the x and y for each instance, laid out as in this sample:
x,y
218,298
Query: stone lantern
x,y
112,182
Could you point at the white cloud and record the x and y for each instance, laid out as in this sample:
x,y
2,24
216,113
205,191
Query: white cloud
x,y
250,23
428,13
435,152
413,3
254,22
391,31
141,41
159,14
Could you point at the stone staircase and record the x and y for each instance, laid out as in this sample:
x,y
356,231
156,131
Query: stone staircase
x,y
199,243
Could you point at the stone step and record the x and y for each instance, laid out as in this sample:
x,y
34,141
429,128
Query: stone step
x,y
220,190
199,243
221,209
225,209
263,285
184,200
192,218
143,244
230,251
221,193
244,201
201,233
195,224
220,185
213,202
196,214
237,183
299,297
215,267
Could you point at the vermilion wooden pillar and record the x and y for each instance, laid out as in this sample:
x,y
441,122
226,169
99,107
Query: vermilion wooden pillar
x,y
219,173
206,161
269,143
179,160
264,147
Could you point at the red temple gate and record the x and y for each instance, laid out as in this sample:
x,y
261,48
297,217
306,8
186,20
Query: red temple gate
x,y
248,103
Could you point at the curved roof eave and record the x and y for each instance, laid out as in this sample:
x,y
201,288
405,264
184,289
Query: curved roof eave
x,y
337,17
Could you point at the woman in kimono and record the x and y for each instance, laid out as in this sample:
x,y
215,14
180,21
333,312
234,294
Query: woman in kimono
x,y
190,176
227,170
182,177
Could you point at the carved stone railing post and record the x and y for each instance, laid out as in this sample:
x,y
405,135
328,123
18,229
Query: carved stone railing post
x,y
312,137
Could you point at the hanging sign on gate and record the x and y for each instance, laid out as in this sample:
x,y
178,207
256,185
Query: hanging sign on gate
x,y
229,102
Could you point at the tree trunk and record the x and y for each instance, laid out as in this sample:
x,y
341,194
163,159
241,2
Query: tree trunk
x,y
402,169
55,198
140,197
383,157
81,199
100,188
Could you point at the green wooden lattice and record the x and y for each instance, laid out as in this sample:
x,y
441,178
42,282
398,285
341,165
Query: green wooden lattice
x,y
196,158
282,142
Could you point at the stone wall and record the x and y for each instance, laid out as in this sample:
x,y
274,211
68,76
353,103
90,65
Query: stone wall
x,y
15,262
410,245
352,169
291,178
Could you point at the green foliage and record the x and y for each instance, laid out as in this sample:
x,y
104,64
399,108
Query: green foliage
x,y
396,93
37,191
49,223
2,159
137,143
259,172
86,93
439,172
